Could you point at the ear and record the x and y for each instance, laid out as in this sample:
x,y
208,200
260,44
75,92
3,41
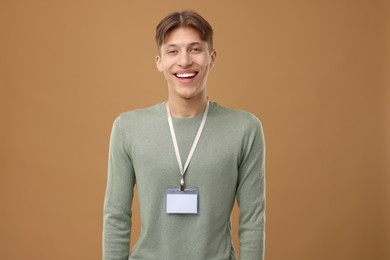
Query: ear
x,y
158,63
213,56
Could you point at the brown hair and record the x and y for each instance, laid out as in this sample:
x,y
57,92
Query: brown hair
x,y
185,18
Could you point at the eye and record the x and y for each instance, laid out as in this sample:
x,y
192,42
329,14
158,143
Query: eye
x,y
196,50
171,52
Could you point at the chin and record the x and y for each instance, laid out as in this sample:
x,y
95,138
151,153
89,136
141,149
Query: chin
x,y
189,94
189,91
187,97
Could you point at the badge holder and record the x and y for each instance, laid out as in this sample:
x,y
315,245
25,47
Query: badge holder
x,y
182,201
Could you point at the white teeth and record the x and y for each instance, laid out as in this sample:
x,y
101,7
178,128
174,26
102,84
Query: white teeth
x,y
185,75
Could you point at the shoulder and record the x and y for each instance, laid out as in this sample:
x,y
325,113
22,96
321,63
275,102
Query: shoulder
x,y
237,117
139,117
142,113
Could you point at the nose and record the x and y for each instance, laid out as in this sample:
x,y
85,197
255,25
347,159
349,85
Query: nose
x,y
184,60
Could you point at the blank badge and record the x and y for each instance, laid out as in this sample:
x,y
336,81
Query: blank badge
x,y
182,202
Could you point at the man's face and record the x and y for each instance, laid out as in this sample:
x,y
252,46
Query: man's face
x,y
185,61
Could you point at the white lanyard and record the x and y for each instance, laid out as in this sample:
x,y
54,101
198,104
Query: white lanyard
x,y
183,170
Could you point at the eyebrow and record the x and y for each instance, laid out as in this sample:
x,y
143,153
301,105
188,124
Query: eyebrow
x,y
191,44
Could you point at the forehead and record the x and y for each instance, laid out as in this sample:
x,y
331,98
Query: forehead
x,y
182,35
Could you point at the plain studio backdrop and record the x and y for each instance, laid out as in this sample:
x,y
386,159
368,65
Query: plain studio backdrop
x,y
315,72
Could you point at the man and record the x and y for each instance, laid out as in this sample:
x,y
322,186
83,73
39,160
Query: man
x,y
190,158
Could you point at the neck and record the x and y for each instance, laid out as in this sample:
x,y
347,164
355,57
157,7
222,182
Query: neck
x,y
186,108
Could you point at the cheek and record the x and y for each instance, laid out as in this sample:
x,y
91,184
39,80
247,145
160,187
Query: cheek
x,y
166,65
206,66
206,61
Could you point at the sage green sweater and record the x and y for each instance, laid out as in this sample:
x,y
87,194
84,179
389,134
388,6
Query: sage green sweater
x,y
228,163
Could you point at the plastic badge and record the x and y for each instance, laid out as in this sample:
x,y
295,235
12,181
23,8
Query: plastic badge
x,y
182,202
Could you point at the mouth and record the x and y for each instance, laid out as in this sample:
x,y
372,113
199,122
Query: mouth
x,y
186,75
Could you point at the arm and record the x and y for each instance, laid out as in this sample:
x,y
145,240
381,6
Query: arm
x,y
251,194
118,198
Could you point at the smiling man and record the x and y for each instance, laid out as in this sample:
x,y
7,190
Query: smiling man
x,y
190,158
185,59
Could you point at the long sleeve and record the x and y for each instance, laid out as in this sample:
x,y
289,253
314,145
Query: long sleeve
x,y
118,198
251,194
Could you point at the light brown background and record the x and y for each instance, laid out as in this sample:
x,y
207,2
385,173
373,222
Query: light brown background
x,y
315,73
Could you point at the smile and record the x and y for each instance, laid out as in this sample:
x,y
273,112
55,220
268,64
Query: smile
x,y
186,75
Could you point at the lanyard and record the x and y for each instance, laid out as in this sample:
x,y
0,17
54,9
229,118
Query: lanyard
x,y
183,170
